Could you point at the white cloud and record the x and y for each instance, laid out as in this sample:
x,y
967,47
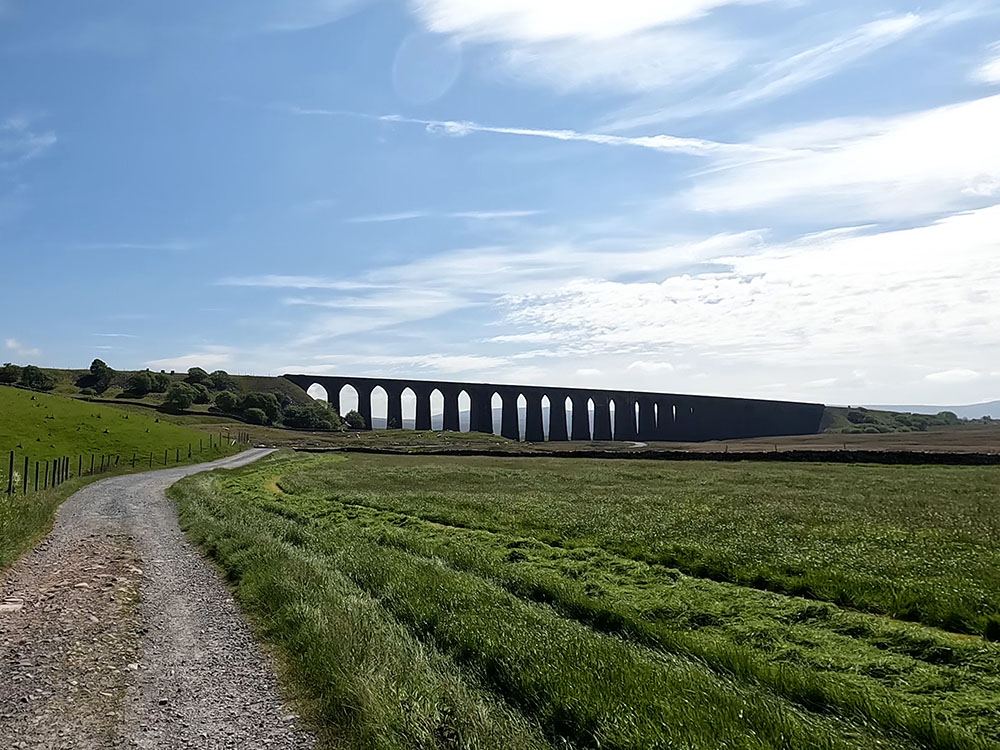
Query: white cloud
x,y
928,162
842,301
211,358
587,372
533,21
653,367
116,335
989,71
959,375
15,346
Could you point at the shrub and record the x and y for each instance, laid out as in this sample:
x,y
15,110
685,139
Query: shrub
x,y
139,383
10,373
100,376
227,401
254,415
88,392
161,382
266,402
220,380
196,375
355,421
203,397
316,416
35,377
180,397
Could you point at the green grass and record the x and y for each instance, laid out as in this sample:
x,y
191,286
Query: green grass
x,y
916,543
514,589
43,427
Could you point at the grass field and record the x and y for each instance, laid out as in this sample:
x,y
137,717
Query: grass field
x,y
43,427
490,602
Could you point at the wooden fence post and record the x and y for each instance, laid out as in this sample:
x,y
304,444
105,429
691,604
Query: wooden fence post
x,y
25,491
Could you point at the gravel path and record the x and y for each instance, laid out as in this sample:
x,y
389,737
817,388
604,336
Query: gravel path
x,y
116,633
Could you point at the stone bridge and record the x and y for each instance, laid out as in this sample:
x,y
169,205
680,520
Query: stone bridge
x,y
636,415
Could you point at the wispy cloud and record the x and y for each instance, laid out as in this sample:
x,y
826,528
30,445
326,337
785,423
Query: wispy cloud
x,y
384,218
662,143
989,71
20,141
411,215
277,281
165,246
529,20
791,70
16,347
116,335
905,166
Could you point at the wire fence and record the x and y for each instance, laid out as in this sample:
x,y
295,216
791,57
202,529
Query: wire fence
x,y
25,476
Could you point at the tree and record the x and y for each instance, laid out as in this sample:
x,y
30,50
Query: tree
x,y
100,376
161,382
264,401
139,383
227,401
196,375
203,397
10,373
355,421
220,380
180,397
316,416
34,377
256,416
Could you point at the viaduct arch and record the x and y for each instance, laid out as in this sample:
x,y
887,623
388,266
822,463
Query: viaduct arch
x,y
636,415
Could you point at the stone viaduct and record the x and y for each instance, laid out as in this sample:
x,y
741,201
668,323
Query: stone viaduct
x,y
636,415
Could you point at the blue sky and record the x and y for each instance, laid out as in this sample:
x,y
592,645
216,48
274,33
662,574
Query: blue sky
x,y
771,198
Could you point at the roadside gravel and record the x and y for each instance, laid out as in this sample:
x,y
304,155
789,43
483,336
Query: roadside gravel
x,y
116,633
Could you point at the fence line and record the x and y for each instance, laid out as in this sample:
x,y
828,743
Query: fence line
x,y
56,471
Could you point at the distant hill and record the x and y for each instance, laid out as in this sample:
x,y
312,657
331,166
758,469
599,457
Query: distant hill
x,y
972,411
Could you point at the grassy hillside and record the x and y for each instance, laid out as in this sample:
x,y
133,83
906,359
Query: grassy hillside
x,y
862,421
73,382
494,602
43,427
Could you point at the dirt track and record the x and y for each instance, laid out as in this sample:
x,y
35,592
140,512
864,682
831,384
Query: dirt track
x,y
117,634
